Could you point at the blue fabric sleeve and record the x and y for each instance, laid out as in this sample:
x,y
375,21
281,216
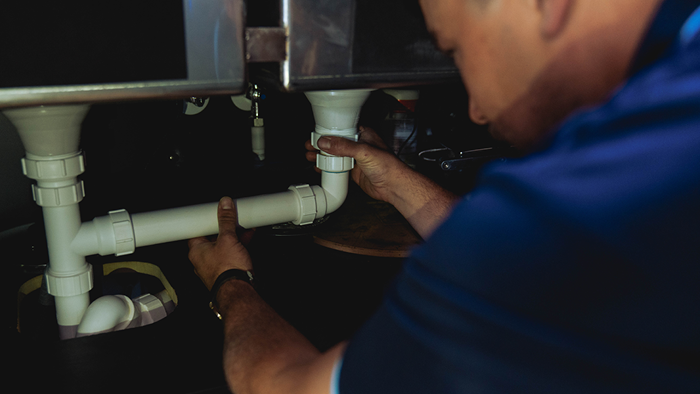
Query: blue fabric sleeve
x,y
335,376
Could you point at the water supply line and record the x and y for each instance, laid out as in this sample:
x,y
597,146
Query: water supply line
x,y
51,138
257,127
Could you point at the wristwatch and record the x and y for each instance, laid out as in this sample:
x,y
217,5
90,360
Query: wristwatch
x,y
246,276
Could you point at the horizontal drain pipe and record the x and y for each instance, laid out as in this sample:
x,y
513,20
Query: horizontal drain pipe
x,y
120,233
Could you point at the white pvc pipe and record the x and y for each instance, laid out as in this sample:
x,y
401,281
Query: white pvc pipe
x,y
62,224
268,209
151,228
48,131
337,109
69,313
72,297
51,138
335,186
87,241
175,224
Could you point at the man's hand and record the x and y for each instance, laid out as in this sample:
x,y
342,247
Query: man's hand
x,y
210,259
262,352
384,177
375,167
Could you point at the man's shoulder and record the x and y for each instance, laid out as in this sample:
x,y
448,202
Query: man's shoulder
x,y
671,83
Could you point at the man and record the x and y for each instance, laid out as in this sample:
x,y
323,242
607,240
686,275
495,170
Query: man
x,y
572,269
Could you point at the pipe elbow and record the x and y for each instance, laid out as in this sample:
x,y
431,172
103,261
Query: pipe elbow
x,y
106,314
315,202
335,188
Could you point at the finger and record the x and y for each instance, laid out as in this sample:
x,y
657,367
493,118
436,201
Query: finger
x,y
309,146
338,146
227,218
311,156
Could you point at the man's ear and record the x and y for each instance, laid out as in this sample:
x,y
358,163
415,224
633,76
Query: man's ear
x,y
555,14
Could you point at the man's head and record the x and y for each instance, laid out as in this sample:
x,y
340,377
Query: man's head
x,y
528,63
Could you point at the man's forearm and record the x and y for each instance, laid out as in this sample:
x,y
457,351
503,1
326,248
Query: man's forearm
x,y
265,354
424,203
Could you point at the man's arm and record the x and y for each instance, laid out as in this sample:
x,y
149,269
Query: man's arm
x,y
384,177
262,352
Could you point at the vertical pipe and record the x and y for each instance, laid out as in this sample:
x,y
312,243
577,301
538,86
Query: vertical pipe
x,y
51,137
69,277
70,310
62,224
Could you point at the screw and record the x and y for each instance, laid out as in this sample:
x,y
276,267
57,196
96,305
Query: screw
x,y
197,101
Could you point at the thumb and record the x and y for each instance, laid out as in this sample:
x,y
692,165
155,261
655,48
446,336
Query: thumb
x,y
227,218
338,146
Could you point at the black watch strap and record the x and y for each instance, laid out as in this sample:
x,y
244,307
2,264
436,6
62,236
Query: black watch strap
x,y
246,276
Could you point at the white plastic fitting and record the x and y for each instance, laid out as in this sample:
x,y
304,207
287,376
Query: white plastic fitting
x,y
49,131
51,138
337,110
167,225
120,233
105,235
257,134
118,312
335,186
56,168
336,113
106,314
151,310
300,204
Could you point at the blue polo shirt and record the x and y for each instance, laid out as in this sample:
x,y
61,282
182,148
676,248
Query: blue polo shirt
x,y
573,270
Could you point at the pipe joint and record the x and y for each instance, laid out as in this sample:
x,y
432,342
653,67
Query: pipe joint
x,y
53,169
71,284
307,204
58,196
123,232
105,235
334,163
118,312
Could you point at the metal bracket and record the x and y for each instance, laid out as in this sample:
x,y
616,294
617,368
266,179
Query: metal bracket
x,y
451,161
